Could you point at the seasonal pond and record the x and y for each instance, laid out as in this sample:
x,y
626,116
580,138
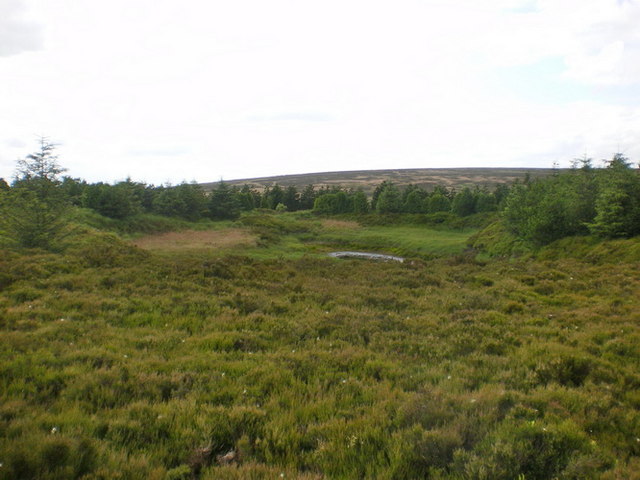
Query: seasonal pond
x,y
366,256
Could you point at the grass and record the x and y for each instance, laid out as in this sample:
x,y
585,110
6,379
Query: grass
x,y
410,240
293,236
119,362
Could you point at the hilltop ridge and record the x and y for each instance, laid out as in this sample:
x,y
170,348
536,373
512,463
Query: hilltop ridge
x,y
368,179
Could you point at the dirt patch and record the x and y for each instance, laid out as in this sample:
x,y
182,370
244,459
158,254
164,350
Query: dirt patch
x,y
193,239
340,224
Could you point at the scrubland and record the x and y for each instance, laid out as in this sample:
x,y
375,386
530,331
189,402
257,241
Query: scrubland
x,y
154,361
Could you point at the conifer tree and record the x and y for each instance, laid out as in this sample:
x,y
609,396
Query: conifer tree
x,y
33,212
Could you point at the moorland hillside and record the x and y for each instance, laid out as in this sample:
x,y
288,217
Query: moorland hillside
x,y
172,333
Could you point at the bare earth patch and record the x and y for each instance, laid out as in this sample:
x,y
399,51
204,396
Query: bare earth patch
x,y
340,224
193,239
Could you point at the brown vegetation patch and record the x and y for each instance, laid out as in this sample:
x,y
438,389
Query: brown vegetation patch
x,y
193,239
368,180
340,224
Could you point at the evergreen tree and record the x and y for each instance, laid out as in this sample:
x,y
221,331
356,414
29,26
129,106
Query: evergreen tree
x,y
414,202
168,202
389,200
248,198
500,193
437,202
72,189
186,200
618,201
34,212
307,197
376,193
325,204
463,203
485,202
291,198
114,201
276,196
333,203
360,204
223,203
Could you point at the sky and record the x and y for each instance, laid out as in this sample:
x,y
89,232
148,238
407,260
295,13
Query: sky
x,y
165,91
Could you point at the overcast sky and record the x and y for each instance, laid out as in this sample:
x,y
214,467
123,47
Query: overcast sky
x,y
173,90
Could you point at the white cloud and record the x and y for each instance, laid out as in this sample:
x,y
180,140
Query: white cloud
x,y
178,90
17,35
599,40
15,143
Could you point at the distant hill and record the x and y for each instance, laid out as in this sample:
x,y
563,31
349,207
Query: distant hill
x,y
424,177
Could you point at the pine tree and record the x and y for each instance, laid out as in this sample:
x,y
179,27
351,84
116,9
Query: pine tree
x,y
33,213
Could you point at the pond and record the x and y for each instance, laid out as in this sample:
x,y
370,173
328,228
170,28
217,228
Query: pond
x,y
366,256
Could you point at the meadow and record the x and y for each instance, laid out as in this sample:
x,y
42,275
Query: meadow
x,y
244,351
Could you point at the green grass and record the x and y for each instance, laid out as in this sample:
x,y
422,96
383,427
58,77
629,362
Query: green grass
x,y
401,240
121,363
295,235
142,224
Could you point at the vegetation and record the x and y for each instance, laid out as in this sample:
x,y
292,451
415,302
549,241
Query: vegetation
x,y
124,363
605,202
33,212
239,349
425,178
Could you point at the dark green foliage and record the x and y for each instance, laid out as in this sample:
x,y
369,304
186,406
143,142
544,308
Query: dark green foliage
x,y
437,202
33,213
73,189
389,200
307,197
223,203
376,193
248,198
114,201
617,204
291,199
186,200
272,196
544,211
39,169
464,203
414,202
360,203
333,203
485,202
605,202
30,219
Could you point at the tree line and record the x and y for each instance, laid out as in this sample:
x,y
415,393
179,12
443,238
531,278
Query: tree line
x,y
585,200
389,198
